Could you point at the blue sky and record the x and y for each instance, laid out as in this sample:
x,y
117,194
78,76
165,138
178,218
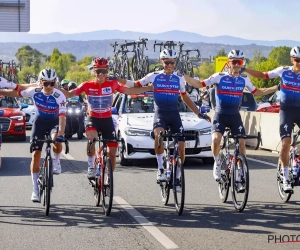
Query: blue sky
x,y
249,19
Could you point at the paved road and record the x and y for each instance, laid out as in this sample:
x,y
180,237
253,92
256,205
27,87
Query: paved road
x,y
75,223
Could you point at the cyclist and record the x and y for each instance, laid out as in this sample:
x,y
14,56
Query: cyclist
x,y
99,94
167,85
51,117
289,105
64,84
229,93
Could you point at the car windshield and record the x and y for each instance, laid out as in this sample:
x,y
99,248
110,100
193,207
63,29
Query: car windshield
x,y
144,103
26,100
8,102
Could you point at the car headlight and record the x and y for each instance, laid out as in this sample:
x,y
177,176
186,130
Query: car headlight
x,y
77,110
205,131
17,117
136,132
70,111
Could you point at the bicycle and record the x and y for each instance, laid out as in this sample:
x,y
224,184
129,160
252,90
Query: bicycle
x,y
294,179
171,165
10,71
45,180
231,175
182,63
2,74
103,184
139,63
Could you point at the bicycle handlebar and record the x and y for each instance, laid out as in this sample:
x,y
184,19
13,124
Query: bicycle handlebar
x,y
238,136
49,140
91,142
161,135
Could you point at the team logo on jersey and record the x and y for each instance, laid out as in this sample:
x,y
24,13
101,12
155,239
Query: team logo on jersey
x,y
63,103
56,95
227,78
106,91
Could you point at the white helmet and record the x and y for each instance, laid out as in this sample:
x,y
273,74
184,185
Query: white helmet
x,y
235,53
168,54
47,75
295,52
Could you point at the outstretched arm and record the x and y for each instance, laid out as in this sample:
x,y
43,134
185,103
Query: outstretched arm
x,y
255,73
137,90
187,100
266,91
191,81
68,94
9,92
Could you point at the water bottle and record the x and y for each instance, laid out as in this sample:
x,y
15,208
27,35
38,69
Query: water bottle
x,y
295,167
99,170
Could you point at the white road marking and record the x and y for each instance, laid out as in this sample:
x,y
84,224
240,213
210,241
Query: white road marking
x,y
263,162
155,232
67,156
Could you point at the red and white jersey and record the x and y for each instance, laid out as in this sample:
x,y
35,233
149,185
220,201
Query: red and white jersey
x,y
99,96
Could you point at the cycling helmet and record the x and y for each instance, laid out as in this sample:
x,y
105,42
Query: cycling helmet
x,y
100,62
47,75
168,54
236,53
295,52
64,81
72,85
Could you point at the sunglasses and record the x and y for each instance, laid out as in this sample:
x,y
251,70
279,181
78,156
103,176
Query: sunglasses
x,y
46,84
103,71
234,62
167,63
297,60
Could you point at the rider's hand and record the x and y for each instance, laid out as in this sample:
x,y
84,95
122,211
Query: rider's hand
x,y
59,138
112,77
204,116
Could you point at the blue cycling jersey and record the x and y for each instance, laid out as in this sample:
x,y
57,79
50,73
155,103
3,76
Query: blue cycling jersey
x,y
289,86
48,107
229,91
166,89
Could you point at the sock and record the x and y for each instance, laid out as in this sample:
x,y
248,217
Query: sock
x,y
286,173
178,173
56,156
217,159
160,160
91,161
35,177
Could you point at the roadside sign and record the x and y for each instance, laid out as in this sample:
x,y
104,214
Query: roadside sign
x,y
221,64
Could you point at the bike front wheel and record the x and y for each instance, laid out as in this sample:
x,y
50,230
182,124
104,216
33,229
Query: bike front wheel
x,y
107,179
178,185
48,187
165,186
224,183
240,182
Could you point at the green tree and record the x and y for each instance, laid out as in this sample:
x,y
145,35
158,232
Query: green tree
x,y
85,61
78,74
281,55
205,70
22,75
257,59
26,56
221,53
153,66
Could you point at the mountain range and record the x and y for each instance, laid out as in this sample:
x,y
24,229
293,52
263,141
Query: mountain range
x,y
97,43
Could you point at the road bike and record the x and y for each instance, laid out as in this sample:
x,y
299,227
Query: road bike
x,y
11,71
45,180
139,63
103,183
234,170
294,178
172,164
2,74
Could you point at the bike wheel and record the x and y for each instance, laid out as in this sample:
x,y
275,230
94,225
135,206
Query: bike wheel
x,y
178,195
107,187
145,67
224,183
134,68
41,183
285,197
240,185
190,69
97,187
48,187
165,187
125,72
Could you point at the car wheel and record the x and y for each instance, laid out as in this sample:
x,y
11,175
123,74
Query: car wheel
x,y
123,160
80,131
208,160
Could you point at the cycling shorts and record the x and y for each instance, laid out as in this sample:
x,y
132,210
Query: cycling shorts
x,y
39,129
232,121
287,119
163,119
103,125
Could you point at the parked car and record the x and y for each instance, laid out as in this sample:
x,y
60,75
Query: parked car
x,y
30,111
134,115
270,104
12,118
248,102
